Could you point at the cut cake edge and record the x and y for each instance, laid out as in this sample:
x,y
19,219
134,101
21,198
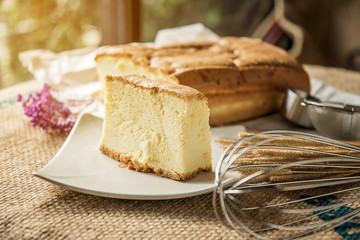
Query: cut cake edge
x,y
133,164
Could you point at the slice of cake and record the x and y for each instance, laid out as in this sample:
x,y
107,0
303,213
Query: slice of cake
x,y
241,77
153,126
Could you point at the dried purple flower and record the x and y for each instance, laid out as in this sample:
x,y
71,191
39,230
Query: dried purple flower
x,y
47,112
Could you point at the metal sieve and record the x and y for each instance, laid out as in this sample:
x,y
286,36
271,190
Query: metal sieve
x,y
333,119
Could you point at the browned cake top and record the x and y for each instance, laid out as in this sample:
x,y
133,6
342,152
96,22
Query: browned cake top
x,y
227,52
177,90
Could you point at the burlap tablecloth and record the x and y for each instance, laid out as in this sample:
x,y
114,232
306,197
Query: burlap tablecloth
x,y
31,208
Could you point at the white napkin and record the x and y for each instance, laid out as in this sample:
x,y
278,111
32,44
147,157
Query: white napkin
x,y
74,76
328,93
189,33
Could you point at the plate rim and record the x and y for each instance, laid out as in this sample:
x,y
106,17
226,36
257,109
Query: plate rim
x,y
125,196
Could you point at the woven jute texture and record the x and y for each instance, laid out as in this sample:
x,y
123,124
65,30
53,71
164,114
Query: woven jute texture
x,y
31,208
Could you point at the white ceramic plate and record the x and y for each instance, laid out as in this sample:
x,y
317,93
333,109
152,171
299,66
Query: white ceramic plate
x,y
80,166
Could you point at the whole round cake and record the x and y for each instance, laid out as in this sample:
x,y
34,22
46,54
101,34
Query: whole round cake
x,y
242,78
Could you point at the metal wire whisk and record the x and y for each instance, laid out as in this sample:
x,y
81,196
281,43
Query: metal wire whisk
x,y
288,185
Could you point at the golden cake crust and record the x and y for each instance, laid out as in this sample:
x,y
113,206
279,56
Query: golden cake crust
x,y
228,61
133,164
181,91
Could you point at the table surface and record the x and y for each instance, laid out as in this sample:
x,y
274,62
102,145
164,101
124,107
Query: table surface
x,y
31,208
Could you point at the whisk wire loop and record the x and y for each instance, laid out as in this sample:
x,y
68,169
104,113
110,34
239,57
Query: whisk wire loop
x,y
287,185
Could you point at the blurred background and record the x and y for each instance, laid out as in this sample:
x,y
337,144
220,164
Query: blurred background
x,y
322,32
